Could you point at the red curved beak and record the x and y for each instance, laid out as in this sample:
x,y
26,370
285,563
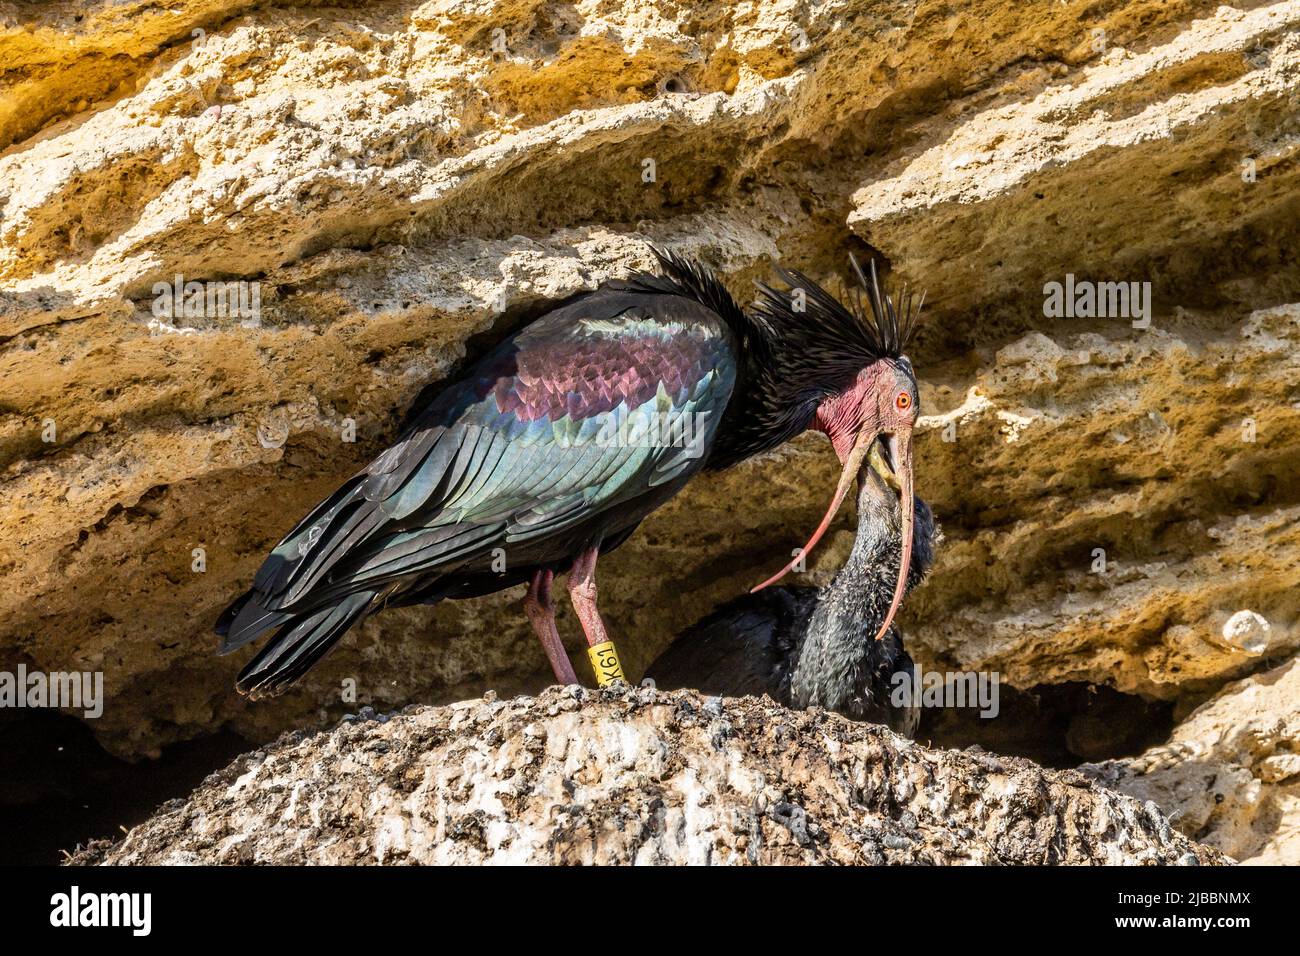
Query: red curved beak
x,y
852,465
900,453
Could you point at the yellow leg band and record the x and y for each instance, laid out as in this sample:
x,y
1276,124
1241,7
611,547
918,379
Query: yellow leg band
x,y
604,661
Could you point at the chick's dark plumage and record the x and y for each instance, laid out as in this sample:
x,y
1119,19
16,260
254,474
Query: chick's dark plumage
x,y
815,646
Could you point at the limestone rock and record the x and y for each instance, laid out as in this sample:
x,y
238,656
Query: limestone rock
x,y
1230,775
404,182
638,776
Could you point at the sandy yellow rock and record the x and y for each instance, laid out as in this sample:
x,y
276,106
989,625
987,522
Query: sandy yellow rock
x,y
406,181
1230,775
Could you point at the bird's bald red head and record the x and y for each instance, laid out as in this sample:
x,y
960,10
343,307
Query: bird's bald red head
x,y
881,403
882,398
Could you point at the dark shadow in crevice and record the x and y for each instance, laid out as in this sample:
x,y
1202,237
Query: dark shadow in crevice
x,y
59,788
1055,725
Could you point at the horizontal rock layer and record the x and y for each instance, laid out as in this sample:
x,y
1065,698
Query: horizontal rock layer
x,y
1230,776
407,181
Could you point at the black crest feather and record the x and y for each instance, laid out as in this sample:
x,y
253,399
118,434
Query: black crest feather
x,y
795,350
880,329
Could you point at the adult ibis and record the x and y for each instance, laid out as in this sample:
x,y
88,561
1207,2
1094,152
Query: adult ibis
x,y
552,448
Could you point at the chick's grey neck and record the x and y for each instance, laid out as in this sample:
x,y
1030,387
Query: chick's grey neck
x,y
834,664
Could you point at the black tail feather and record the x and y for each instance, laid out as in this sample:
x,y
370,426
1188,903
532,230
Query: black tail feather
x,y
301,643
222,627
245,620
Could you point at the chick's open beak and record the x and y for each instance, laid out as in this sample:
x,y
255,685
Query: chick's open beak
x,y
876,459
900,478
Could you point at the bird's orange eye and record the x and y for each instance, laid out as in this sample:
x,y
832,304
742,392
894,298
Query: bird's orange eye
x,y
903,401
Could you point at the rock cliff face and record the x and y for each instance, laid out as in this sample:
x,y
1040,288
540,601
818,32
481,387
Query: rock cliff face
x,y
402,182
1230,776
615,777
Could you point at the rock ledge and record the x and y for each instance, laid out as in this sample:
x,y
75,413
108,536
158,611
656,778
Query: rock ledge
x,y
639,776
